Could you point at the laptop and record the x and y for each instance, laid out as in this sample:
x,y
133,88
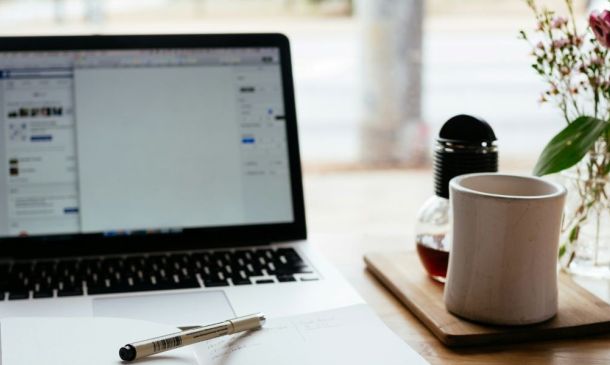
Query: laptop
x,y
154,177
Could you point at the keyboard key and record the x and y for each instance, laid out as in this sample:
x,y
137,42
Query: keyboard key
x,y
43,294
265,281
238,280
68,292
187,283
105,290
285,278
209,283
100,285
16,295
252,271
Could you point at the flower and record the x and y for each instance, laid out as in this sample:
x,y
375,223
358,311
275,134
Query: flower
x,y
598,61
542,99
559,22
600,24
560,43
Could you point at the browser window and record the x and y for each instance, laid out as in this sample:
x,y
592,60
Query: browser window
x,y
122,142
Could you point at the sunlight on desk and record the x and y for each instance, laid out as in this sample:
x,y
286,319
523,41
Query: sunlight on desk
x,y
351,213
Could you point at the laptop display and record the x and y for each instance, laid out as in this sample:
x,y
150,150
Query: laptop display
x,y
139,171
119,142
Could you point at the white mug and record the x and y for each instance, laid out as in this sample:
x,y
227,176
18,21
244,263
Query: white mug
x,y
503,261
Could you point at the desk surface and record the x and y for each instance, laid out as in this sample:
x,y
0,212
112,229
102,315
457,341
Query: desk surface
x,y
352,213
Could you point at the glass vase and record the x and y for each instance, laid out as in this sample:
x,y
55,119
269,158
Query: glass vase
x,y
585,238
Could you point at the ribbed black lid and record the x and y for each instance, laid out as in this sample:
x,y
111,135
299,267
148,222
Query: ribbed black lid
x,y
465,144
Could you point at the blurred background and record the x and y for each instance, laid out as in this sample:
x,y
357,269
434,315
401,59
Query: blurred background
x,y
374,79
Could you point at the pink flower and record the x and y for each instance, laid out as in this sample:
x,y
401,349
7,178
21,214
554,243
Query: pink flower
x,y
597,61
600,24
560,43
542,99
559,22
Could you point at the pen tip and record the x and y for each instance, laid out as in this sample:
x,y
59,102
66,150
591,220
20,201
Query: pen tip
x,y
127,353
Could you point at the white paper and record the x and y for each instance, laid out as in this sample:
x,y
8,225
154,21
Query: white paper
x,y
89,340
350,335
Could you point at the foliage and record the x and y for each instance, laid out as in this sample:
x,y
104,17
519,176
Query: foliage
x,y
575,66
576,69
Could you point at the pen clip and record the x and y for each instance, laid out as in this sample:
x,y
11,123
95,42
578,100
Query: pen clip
x,y
186,328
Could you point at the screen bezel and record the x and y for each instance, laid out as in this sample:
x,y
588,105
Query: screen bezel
x,y
191,238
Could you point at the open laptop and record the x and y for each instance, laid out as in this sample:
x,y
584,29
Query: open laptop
x,y
154,177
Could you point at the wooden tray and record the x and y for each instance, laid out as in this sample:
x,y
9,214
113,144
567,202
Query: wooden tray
x,y
580,312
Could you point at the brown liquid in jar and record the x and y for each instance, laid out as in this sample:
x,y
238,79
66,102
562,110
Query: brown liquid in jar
x,y
435,260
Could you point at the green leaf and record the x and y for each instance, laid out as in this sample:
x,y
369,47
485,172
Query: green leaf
x,y
570,145
562,250
574,233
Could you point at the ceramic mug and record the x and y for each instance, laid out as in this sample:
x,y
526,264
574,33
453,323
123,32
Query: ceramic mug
x,y
503,261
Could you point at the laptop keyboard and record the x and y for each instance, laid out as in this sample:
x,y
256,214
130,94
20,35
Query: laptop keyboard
x,y
89,276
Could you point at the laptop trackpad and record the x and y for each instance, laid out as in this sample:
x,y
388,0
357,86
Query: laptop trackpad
x,y
176,309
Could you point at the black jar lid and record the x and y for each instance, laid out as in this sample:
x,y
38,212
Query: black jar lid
x,y
465,145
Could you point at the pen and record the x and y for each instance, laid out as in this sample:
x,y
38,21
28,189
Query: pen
x,y
138,350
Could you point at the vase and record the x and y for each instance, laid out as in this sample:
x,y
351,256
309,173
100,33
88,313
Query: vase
x,y
585,238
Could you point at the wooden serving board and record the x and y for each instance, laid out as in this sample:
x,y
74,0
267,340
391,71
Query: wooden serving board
x,y
580,312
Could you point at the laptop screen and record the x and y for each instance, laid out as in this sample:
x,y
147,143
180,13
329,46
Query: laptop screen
x,y
123,142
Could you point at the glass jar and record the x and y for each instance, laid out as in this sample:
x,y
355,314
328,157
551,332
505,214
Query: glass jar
x,y
465,144
585,238
432,236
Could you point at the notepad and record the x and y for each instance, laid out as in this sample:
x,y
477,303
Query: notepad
x,y
89,340
351,335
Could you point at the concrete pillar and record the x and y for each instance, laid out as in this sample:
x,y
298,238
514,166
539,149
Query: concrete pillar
x,y
393,132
